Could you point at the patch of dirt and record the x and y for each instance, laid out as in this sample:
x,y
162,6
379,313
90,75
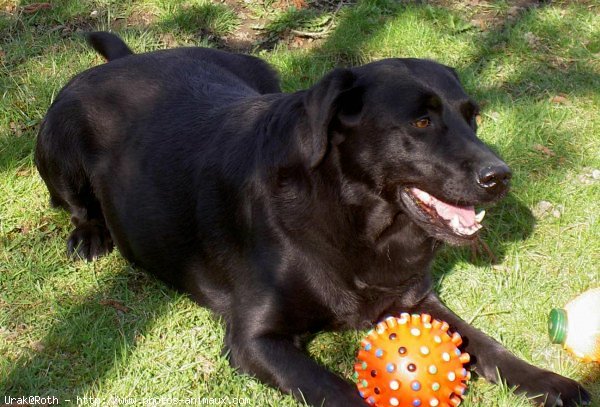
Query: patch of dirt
x,y
245,37
485,15
141,18
250,35
77,24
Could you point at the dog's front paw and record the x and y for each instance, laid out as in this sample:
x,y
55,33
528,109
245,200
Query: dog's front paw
x,y
553,390
89,241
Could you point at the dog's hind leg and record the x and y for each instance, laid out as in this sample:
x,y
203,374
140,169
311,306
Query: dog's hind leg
x,y
60,164
90,239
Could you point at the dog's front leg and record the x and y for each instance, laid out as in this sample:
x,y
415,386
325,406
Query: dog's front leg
x,y
489,358
274,359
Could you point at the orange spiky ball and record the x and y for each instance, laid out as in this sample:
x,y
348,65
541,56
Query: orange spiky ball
x,y
411,361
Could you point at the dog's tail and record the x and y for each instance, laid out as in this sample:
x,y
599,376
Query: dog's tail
x,y
108,45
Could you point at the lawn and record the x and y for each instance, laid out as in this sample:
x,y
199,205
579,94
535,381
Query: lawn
x,y
102,330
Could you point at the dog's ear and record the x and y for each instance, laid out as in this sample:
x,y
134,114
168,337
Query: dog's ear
x,y
335,97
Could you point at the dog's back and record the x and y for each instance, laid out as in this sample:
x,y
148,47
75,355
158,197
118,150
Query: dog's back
x,y
105,110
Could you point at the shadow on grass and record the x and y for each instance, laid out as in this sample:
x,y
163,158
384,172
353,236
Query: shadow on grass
x,y
547,75
591,379
89,338
14,150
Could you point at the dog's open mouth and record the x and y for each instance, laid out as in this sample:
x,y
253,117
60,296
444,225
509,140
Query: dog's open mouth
x,y
459,221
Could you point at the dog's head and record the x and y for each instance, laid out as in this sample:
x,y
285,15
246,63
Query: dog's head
x,y
406,129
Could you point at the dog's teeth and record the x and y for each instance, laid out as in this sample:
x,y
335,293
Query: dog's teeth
x,y
473,229
479,216
455,223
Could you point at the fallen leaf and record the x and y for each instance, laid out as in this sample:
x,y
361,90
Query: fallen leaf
x,y
116,305
168,40
38,346
119,23
297,42
514,11
24,172
299,4
559,99
494,116
16,129
584,179
542,209
8,334
544,150
558,211
532,40
589,177
57,28
480,23
35,7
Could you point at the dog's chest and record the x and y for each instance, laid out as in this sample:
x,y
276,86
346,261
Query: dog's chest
x,y
377,302
387,284
355,278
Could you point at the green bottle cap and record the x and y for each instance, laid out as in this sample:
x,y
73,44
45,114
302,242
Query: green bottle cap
x,y
557,325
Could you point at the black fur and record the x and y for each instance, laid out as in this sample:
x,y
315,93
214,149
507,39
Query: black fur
x,y
286,214
108,45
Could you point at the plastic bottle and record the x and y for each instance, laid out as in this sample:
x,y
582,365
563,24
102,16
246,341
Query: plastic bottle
x,y
577,326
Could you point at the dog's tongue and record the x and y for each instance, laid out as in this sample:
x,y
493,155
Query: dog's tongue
x,y
465,214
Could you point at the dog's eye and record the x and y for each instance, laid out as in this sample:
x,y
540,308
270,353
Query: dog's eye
x,y
422,123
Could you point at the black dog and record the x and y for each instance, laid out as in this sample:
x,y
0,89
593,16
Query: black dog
x,y
286,214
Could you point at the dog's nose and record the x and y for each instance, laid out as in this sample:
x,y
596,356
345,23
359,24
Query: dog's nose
x,y
494,178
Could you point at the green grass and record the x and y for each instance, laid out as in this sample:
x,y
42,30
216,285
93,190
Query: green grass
x,y
57,337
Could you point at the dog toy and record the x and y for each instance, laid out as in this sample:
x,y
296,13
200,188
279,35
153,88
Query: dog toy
x,y
411,361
